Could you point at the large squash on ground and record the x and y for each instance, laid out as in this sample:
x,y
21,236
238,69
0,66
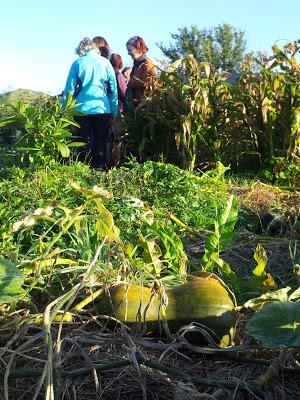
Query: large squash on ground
x,y
204,299
134,305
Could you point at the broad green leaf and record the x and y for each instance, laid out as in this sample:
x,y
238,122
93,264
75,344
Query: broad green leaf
x,y
225,268
174,250
216,173
222,236
11,281
76,144
64,149
276,324
106,230
129,250
62,133
227,222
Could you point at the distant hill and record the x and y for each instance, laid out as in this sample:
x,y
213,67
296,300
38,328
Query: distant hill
x,y
8,132
26,95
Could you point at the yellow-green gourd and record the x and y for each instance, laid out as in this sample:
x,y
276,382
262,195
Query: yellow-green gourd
x,y
204,299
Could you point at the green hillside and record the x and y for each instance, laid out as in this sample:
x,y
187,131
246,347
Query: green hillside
x,y
9,133
26,95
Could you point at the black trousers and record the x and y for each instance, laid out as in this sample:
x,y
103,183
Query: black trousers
x,y
94,131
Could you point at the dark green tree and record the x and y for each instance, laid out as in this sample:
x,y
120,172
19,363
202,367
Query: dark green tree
x,y
223,46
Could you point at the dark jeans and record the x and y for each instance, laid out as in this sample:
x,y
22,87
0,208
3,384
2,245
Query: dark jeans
x,y
94,131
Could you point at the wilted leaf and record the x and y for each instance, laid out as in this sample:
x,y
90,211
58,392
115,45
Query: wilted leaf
x,y
177,139
261,258
152,254
207,69
105,223
295,295
268,284
259,302
265,108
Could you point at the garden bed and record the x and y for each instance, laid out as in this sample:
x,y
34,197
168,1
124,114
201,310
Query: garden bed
x,y
143,205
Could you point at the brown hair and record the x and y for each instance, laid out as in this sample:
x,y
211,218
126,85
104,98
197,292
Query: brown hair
x,y
103,46
116,61
138,43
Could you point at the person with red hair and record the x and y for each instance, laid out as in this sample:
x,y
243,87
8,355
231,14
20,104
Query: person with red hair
x,y
143,68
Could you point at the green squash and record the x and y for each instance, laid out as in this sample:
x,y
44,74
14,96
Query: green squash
x,y
204,299
134,305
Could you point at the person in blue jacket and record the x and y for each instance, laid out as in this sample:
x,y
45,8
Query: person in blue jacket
x,y
92,82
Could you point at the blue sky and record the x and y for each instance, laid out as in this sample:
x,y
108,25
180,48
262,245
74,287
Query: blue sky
x,y
38,38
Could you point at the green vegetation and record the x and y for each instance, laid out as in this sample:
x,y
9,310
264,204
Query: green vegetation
x,y
156,208
223,46
148,242
10,133
45,130
193,117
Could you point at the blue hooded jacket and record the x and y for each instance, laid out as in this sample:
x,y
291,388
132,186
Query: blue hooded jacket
x,y
92,81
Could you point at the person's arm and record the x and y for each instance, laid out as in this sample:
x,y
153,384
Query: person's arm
x,y
113,92
71,82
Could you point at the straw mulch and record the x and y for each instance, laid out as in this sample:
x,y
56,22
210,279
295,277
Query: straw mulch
x,y
86,361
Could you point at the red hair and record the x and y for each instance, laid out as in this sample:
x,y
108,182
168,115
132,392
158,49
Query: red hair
x,y
116,61
138,43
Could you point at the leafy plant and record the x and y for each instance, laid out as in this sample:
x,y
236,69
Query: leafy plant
x,y
268,105
260,281
195,115
46,130
167,189
11,281
55,248
180,119
220,240
174,254
276,323
283,171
